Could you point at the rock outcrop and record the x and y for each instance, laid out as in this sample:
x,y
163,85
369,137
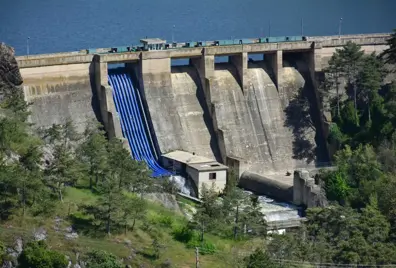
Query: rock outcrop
x,y
10,76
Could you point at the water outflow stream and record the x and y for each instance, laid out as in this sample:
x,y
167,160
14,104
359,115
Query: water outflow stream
x,y
134,126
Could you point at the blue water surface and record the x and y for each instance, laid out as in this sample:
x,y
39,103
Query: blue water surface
x,y
66,25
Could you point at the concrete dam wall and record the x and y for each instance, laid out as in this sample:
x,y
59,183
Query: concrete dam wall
x,y
253,125
178,112
58,93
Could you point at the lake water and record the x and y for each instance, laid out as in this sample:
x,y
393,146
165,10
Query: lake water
x,y
66,25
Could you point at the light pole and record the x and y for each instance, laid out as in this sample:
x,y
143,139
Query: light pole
x,y
27,46
302,27
269,28
339,28
173,34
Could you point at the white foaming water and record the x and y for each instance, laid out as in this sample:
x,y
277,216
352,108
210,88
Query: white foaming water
x,y
276,211
273,210
183,185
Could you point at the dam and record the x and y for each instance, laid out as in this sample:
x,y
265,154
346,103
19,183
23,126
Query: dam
x,y
261,118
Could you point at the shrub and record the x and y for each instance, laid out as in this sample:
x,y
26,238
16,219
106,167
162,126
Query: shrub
x,y
102,259
205,247
165,220
36,254
183,234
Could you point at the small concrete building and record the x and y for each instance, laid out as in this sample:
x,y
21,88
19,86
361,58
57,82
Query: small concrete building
x,y
198,168
153,43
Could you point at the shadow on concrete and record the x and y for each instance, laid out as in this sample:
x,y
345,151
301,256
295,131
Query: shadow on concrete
x,y
303,115
299,120
95,102
214,146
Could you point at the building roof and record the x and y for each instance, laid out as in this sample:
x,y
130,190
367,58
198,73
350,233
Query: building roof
x,y
152,41
199,163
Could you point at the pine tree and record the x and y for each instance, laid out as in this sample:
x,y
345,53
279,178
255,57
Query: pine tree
x,y
132,208
333,78
93,153
64,170
350,58
207,216
390,53
369,82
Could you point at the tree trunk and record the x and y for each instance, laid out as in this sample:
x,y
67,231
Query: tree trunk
x,y
108,222
202,232
108,217
236,223
338,95
133,224
60,194
369,110
24,199
355,104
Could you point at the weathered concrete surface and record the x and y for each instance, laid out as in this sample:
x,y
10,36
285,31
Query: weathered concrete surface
x,y
193,113
58,93
178,111
276,187
255,126
236,133
270,104
305,191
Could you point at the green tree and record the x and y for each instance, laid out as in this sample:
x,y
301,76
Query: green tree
x,y
107,209
2,252
233,203
350,57
130,173
93,153
390,53
63,170
333,79
253,218
369,81
133,208
358,173
207,216
37,254
336,185
102,259
259,259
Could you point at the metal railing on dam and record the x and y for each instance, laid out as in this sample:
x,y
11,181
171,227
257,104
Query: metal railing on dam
x,y
76,57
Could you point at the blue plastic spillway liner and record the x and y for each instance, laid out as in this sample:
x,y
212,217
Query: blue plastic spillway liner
x,y
128,106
